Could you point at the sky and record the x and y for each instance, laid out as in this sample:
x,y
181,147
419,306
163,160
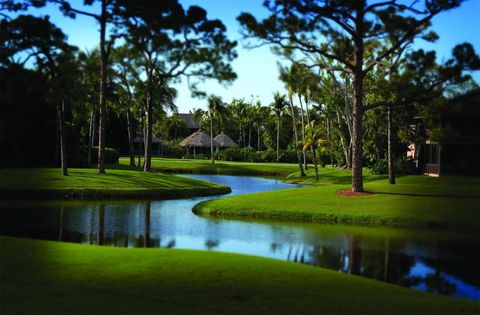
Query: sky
x,y
257,69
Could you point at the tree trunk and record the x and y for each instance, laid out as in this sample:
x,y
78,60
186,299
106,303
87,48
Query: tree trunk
x,y
391,171
91,137
299,154
130,138
278,138
61,130
258,140
250,136
103,90
147,164
357,112
212,153
303,132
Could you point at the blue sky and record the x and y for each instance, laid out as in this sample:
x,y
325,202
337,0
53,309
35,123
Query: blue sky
x,y
257,69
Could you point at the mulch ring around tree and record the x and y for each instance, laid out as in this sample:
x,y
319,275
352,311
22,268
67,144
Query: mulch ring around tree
x,y
350,193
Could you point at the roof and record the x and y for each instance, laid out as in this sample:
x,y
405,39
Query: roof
x,y
225,141
139,138
189,121
198,139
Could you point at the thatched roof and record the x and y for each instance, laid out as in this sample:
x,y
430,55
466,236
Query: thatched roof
x,y
225,141
198,139
139,139
190,121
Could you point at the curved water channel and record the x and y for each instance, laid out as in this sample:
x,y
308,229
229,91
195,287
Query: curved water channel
x,y
435,261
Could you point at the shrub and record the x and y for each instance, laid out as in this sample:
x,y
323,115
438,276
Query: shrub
x,y
111,155
173,151
401,166
405,166
380,167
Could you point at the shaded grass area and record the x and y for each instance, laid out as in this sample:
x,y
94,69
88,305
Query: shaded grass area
x,y
87,184
416,201
61,278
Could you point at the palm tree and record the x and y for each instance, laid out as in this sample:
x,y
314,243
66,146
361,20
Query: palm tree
x,y
278,105
216,110
259,115
314,140
159,95
288,77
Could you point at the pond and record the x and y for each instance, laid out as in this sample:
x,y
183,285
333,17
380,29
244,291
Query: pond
x,y
435,261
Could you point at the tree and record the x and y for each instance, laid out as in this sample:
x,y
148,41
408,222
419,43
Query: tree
x,y
288,77
28,37
216,109
175,43
127,76
278,106
417,80
350,28
314,140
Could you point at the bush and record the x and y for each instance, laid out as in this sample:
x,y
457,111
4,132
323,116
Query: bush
x,y
380,167
202,156
405,166
401,166
111,155
173,151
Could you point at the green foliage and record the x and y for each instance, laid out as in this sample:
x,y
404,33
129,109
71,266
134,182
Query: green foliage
x,y
380,167
111,155
402,166
172,151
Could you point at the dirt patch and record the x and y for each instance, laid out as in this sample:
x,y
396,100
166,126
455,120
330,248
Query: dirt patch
x,y
350,193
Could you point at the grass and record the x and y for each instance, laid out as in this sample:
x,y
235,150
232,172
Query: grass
x,y
416,201
220,167
60,278
86,183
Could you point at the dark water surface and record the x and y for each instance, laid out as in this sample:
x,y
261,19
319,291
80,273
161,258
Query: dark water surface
x,y
435,261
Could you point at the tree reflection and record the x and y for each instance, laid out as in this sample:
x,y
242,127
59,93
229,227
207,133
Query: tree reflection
x,y
147,241
101,224
211,244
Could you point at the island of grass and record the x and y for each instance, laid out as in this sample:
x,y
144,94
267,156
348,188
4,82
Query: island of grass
x,y
415,201
87,184
82,279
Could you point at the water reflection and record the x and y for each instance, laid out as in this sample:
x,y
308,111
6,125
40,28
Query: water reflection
x,y
432,261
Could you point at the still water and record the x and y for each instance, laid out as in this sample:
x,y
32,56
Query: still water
x,y
434,261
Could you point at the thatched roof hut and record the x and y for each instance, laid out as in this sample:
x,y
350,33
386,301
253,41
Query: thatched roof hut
x,y
225,141
140,139
198,139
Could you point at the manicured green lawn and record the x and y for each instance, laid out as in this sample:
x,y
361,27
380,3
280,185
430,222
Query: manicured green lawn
x,y
40,277
220,167
86,183
416,201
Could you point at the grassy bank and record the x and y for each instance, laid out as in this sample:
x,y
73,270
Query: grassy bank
x,y
220,167
86,183
416,201
61,278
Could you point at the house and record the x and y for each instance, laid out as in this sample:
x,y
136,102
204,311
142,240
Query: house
x,y
456,147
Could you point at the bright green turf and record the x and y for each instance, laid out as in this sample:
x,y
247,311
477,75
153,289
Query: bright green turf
x,y
40,277
416,201
86,183
220,167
